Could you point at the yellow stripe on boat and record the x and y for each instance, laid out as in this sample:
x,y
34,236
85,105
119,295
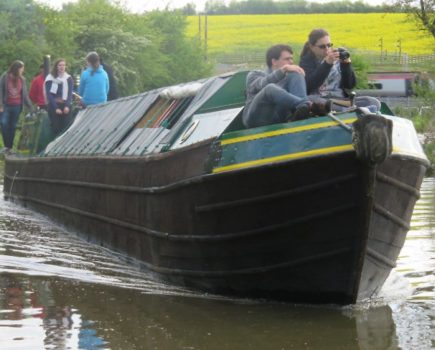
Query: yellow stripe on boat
x,y
284,157
285,131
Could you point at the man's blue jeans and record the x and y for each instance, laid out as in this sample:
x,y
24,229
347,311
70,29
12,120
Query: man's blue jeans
x,y
274,104
8,122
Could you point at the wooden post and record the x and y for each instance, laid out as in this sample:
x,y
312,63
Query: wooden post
x,y
46,65
381,44
199,27
399,45
205,36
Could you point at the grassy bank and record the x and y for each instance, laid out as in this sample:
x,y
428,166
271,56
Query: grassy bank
x,y
376,32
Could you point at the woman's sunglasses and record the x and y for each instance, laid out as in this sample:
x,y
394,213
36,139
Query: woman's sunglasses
x,y
324,46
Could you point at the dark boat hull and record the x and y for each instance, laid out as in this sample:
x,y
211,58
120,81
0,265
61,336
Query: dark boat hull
x,y
326,229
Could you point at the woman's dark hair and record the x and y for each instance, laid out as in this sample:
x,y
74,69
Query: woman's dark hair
x,y
14,70
274,52
54,71
315,35
94,60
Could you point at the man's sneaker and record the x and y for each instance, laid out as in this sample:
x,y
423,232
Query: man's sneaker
x,y
302,112
321,107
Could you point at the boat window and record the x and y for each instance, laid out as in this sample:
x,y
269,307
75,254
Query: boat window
x,y
163,113
203,126
375,86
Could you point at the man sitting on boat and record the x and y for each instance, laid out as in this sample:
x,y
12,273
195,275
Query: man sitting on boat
x,y
278,94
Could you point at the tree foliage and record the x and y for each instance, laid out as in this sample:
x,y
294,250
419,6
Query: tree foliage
x,y
423,12
145,51
218,7
22,33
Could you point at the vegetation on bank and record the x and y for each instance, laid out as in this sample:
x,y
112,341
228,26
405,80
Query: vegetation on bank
x,y
145,51
422,116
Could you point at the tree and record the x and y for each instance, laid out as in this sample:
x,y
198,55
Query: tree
x,y
185,57
22,33
422,10
189,9
146,51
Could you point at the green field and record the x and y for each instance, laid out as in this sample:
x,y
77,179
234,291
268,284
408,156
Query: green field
x,y
234,34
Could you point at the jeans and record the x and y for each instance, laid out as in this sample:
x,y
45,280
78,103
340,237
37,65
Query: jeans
x,y
274,104
8,122
372,103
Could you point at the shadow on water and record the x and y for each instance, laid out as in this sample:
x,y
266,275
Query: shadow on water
x,y
60,292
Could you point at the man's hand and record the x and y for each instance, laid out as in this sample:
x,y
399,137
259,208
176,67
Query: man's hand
x,y
66,110
292,68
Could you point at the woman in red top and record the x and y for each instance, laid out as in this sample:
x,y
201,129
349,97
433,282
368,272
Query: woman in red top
x,y
13,95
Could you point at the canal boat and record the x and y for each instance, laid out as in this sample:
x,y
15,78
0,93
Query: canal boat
x,y
314,211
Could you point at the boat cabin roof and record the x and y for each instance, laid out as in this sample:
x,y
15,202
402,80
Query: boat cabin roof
x,y
155,121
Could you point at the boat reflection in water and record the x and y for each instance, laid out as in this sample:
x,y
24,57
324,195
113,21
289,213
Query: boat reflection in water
x,y
36,315
32,319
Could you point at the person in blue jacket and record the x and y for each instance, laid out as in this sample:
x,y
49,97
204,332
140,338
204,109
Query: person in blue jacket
x,y
94,82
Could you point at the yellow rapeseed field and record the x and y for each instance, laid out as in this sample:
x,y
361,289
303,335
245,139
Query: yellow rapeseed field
x,y
243,33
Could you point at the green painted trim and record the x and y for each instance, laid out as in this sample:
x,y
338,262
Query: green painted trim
x,y
285,157
294,129
275,127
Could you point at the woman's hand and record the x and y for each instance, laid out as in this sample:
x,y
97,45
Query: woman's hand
x,y
332,56
58,111
66,110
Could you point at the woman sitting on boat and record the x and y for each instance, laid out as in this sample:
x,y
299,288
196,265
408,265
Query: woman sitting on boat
x,y
329,73
94,82
58,89
13,95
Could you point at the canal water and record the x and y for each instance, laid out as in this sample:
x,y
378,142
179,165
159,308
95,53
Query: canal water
x,y
60,292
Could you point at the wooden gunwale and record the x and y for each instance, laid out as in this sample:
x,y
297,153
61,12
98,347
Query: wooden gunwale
x,y
161,189
390,216
252,270
268,197
380,258
399,184
202,238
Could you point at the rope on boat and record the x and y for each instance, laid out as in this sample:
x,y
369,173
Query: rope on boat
x,y
372,138
12,184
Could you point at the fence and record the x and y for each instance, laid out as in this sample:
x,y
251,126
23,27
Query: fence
x,y
395,61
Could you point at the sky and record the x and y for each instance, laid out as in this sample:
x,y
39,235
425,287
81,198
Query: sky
x,y
147,5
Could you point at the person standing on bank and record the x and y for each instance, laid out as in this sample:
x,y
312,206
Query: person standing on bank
x,y
13,95
328,72
58,89
94,82
278,94
113,89
36,91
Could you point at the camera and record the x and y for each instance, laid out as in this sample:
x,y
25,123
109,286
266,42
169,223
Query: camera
x,y
343,54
